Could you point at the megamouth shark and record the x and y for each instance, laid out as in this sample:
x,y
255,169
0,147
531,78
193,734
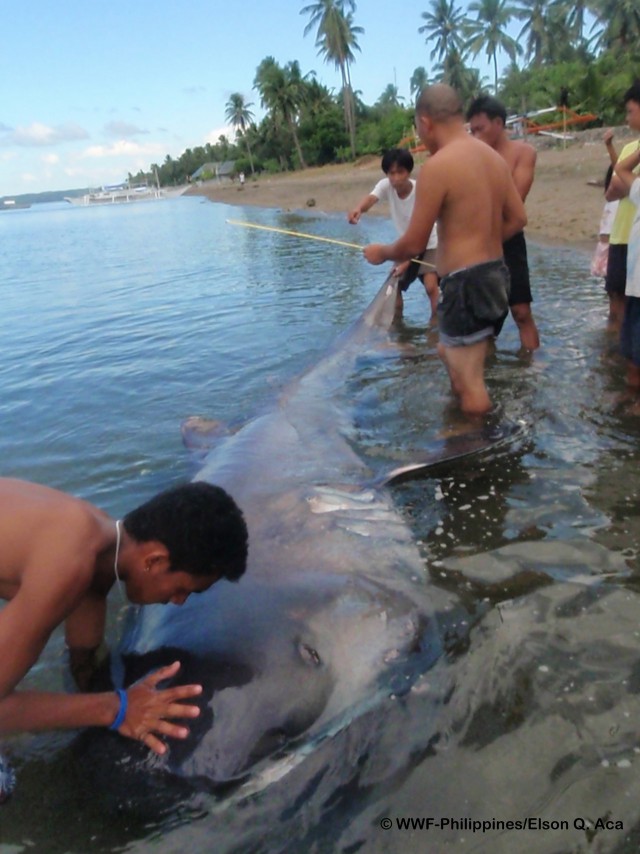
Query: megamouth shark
x,y
334,612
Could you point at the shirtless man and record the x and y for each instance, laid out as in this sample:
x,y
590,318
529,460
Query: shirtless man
x,y
487,121
60,558
468,189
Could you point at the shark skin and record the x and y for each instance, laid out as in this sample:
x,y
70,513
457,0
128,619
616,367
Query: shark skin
x,y
334,613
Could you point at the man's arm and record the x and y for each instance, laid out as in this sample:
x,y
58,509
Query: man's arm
x,y
524,170
26,622
616,190
619,189
624,169
611,149
366,203
88,654
146,718
514,216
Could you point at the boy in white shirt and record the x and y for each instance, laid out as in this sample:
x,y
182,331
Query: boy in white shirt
x,y
398,190
630,331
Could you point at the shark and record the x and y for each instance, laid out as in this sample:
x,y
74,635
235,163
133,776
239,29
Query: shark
x,y
335,612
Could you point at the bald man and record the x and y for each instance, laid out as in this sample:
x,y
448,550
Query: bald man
x,y
467,188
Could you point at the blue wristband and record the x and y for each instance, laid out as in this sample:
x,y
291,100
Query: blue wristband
x,y
122,711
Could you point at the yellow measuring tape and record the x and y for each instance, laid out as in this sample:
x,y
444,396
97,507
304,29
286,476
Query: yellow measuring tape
x,y
311,237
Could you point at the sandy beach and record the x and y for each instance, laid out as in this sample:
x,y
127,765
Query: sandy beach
x,y
564,205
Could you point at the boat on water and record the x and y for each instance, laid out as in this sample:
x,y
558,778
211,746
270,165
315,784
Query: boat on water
x,y
12,205
117,194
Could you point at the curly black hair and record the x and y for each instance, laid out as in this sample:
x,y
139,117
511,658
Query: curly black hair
x,y
201,526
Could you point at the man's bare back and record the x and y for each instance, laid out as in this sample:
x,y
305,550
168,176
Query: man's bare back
x,y
476,201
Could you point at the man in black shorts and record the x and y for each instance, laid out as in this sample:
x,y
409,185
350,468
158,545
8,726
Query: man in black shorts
x,y
487,118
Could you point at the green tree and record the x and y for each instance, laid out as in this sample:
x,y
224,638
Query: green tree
x,y
418,81
453,70
488,32
389,98
336,40
444,24
282,93
535,14
238,113
619,21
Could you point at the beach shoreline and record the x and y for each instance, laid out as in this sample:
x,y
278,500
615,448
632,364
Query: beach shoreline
x,y
564,205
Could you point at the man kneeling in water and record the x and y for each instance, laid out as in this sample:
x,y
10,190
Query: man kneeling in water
x,y
467,187
60,558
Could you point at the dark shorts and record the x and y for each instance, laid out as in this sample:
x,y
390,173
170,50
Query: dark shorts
x,y
630,331
473,303
515,257
417,271
616,278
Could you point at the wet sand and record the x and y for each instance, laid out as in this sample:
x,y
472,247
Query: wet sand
x,y
564,204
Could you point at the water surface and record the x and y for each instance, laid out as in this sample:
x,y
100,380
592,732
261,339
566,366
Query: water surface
x,y
119,323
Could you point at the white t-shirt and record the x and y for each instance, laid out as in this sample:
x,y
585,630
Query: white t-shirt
x,y
608,215
633,253
401,209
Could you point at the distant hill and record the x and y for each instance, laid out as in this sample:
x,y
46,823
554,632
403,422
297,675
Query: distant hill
x,y
50,196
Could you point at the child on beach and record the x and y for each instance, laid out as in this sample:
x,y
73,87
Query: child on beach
x,y
601,253
398,189
615,282
630,331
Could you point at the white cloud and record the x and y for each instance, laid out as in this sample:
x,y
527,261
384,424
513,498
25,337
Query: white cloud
x,y
51,159
124,148
29,178
123,129
214,135
37,134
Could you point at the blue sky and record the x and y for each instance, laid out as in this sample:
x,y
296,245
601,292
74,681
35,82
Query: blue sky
x,y
93,89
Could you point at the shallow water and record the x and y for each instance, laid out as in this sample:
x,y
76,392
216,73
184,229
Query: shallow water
x,y
121,322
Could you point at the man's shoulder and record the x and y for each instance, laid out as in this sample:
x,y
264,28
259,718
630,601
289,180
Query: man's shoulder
x,y
381,188
518,151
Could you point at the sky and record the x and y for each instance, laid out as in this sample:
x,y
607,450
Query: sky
x,y
91,90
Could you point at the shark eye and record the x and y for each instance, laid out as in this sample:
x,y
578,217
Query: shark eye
x,y
309,654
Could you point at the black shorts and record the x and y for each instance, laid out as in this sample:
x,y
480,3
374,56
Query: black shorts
x,y
417,271
515,257
630,332
616,278
473,303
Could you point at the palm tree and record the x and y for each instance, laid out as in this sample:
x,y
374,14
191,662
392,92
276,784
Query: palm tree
x,y
282,92
574,13
418,81
389,98
445,24
535,14
488,32
466,81
336,40
238,113
620,22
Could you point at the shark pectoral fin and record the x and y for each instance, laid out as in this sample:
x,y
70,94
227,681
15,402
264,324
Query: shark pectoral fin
x,y
199,433
457,448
